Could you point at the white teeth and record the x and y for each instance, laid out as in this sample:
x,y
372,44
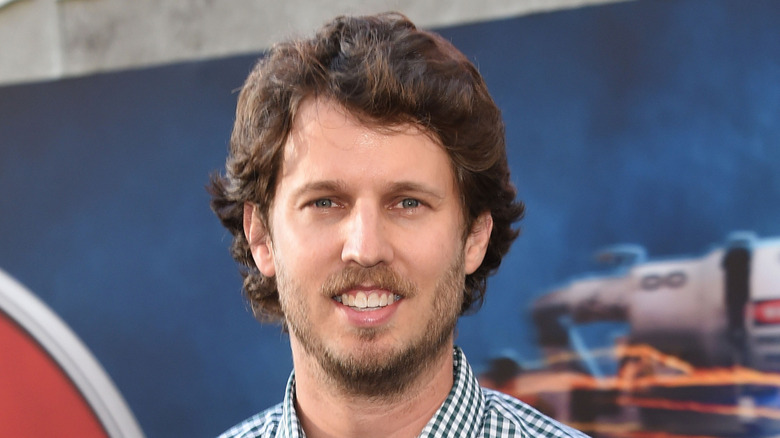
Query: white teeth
x,y
373,300
361,300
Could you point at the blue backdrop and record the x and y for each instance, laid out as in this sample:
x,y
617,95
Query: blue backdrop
x,y
649,122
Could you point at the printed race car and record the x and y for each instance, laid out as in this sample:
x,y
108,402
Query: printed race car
x,y
657,348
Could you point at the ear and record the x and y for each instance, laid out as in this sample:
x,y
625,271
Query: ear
x,y
259,240
477,242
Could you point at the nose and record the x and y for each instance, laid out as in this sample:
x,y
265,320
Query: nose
x,y
366,240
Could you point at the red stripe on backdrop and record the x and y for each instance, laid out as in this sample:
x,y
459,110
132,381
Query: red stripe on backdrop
x,y
36,397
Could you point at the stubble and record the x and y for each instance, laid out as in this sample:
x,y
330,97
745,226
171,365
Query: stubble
x,y
368,371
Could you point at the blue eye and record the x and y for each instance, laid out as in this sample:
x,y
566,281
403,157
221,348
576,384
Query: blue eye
x,y
323,203
410,203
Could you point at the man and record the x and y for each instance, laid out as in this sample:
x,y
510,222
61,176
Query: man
x,y
368,193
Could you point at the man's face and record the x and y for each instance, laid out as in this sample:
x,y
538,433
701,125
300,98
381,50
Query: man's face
x,y
367,245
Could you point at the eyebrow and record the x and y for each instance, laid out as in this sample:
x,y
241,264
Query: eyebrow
x,y
409,186
319,186
340,186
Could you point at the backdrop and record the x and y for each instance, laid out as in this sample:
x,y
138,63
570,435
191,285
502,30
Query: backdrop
x,y
647,122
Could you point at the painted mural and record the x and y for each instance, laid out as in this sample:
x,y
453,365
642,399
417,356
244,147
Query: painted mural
x,y
646,133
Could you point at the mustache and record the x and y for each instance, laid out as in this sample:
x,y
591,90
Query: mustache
x,y
379,276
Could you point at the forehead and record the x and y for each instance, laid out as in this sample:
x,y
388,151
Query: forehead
x,y
326,142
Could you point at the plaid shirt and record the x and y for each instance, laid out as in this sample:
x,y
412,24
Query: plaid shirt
x,y
468,411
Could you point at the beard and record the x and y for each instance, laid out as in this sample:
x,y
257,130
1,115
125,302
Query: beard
x,y
370,370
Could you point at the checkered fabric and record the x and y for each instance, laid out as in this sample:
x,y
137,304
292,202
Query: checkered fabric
x,y
469,411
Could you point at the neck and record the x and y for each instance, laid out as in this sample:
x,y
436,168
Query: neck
x,y
326,410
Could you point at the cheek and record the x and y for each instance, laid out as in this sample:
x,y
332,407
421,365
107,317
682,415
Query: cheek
x,y
305,255
432,256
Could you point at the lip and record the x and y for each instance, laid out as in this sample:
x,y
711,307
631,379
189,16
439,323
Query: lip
x,y
368,318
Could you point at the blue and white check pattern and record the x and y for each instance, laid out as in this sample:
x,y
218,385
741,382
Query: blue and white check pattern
x,y
469,411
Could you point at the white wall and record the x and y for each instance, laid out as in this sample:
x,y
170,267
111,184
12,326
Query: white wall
x,y
49,39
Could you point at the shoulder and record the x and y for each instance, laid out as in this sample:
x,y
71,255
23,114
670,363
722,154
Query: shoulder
x,y
263,425
506,415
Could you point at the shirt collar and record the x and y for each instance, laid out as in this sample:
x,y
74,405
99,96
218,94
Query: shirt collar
x,y
460,414
290,426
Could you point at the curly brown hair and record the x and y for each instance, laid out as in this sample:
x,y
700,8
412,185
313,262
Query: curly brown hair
x,y
386,73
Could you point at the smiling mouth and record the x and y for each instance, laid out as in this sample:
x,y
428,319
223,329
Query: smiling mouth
x,y
370,301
